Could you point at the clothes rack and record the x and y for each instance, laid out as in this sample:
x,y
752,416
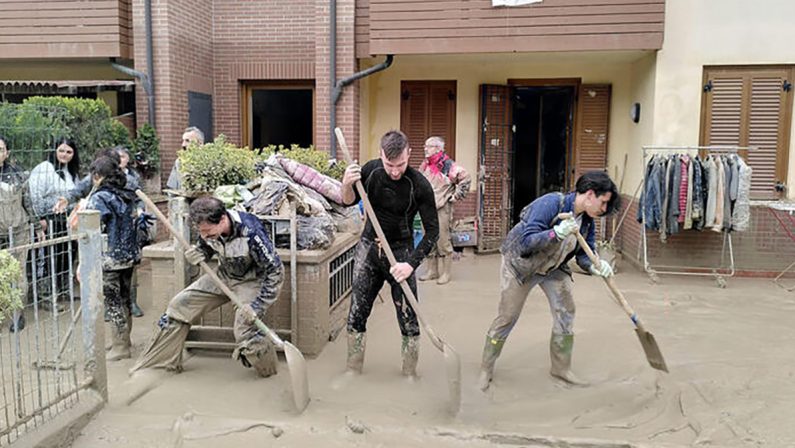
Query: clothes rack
x,y
719,272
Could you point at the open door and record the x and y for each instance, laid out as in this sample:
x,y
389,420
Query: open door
x,y
496,155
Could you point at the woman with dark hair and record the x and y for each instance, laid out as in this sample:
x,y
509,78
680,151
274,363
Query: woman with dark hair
x,y
15,210
50,180
117,210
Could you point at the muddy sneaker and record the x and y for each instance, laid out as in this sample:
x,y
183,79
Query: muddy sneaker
x,y
136,310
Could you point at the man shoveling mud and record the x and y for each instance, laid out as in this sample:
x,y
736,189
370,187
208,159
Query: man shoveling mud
x,y
536,252
397,192
247,263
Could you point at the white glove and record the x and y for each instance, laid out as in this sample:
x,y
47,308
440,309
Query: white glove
x,y
194,256
604,269
565,228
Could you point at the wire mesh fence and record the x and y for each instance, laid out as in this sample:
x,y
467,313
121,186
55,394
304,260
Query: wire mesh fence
x,y
42,353
40,345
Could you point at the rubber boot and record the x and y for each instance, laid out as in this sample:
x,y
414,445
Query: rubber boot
x,y
264,360
560,348
108,335
134,308
356,345
432,269
410,351
121,344
445,263
491,351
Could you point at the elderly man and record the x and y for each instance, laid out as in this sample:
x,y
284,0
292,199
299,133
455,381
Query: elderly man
x,y
450,184
192,135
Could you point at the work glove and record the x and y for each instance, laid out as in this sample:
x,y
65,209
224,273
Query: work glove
x,y
565,228
194,256
247,315
145,221
603,270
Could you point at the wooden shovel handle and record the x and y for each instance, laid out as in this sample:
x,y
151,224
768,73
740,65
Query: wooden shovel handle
x,y
385,244
207,270
622,301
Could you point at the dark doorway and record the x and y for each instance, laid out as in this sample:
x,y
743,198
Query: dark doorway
x,y
281,117
200,113
543,120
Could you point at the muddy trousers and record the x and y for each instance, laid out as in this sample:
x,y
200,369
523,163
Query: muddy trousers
x,y
370,271
557,286
116,286
165,350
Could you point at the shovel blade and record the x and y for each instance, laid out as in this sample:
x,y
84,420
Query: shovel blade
x,y
652,350
452,364
296,365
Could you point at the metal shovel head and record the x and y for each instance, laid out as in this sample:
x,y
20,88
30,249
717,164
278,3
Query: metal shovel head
x,y
452,364
652,350
296,364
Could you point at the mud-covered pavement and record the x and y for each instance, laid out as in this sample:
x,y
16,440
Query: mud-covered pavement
x,y
730,353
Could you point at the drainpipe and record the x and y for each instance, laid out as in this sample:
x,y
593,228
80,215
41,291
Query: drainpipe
x,y
147,79
336,90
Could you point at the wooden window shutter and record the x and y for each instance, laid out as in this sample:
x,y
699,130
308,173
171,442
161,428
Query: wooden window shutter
x,y
593,118
496,153
749,106
427,108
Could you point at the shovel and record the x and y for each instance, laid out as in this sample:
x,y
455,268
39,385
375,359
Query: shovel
x,y
296,364
650,348
452,360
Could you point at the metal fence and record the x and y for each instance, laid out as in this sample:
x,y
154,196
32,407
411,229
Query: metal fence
x,y
52,349
340,276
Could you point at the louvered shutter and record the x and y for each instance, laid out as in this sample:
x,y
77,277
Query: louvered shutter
x,y
766,134
427,108
593,117
750,107
496,152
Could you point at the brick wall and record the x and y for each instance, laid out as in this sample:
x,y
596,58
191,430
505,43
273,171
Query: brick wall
x,y
763,250
214,46
183,60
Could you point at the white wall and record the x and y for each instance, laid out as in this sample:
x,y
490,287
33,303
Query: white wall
x,y
714,32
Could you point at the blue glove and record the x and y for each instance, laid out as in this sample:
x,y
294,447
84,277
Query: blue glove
x,y
603,270
145,220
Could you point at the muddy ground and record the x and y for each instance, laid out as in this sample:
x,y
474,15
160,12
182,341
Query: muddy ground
x,y
730,352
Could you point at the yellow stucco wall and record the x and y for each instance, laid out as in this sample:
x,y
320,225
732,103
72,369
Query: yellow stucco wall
x,y
714,32
380,108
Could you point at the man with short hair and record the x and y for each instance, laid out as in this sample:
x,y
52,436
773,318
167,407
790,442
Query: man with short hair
x,y
450,183
192,135
247,263
536,252
397,193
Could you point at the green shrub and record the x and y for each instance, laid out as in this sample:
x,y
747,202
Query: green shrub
x,y
147,151
33,126
10,293
213,164
311,157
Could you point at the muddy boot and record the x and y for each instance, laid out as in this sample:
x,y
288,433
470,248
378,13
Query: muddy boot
x,y
445,263
410,351
136,310
431,269
263,359
121,344
491,351
356,345
560,348
108,335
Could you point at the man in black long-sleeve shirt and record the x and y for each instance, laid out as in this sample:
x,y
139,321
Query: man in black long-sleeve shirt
x,y
397,192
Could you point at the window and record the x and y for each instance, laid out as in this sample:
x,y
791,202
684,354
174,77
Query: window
x,y
279,113
751,106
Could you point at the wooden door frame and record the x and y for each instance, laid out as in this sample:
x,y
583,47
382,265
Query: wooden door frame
x,y
571,144
246,87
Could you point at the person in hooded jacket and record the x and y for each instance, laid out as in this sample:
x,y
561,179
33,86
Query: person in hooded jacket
x,y
116,206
